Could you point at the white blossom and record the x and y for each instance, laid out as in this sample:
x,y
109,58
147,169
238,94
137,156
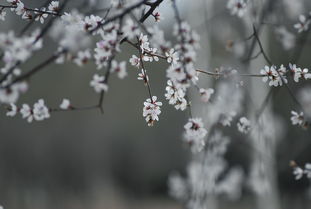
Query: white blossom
x,y
151,110
65,105
303,24
307,170
40,111
98,83
143,77
297,118
172,56
26,112
237,7
119,68
244,125
206,94
135,61
41,16
54,6
298,172
130,29
175,96
82,57
2,14
12,110
195,132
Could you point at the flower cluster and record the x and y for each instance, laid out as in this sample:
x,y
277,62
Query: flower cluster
x,y
39,111
299,172
277,76
175,96
244,125
152,110
195,133
19,8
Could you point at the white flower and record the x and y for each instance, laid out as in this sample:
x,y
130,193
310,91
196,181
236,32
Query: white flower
x,y
226,118
12,110
206,94
151,110
82,57
130,29
286,38
194,130
26,112
298,172
135,61
91,22
20,9
158,17
303,24
40,111
2,14
119,68
98,83
40,16
244,125
237,7
143,77
54,6
65,105
175,96
297,119
296,71
272,75
307,170
171,56
305,74
143,43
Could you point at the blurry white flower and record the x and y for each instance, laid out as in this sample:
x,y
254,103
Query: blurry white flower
x,y
307,170
40,111
130,29
82,57
244,125
297,119
206,94
172,56
135,61
65,105
303,24
2,14
12,110
54,6
119,68
98,83
26,112
298,172
237,7
195,133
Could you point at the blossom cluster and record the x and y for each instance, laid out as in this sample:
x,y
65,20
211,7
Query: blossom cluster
x,y
41,14
299,172
152,110
38,112
277,76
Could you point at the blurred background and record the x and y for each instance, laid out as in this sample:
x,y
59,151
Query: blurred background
x,y
114,160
